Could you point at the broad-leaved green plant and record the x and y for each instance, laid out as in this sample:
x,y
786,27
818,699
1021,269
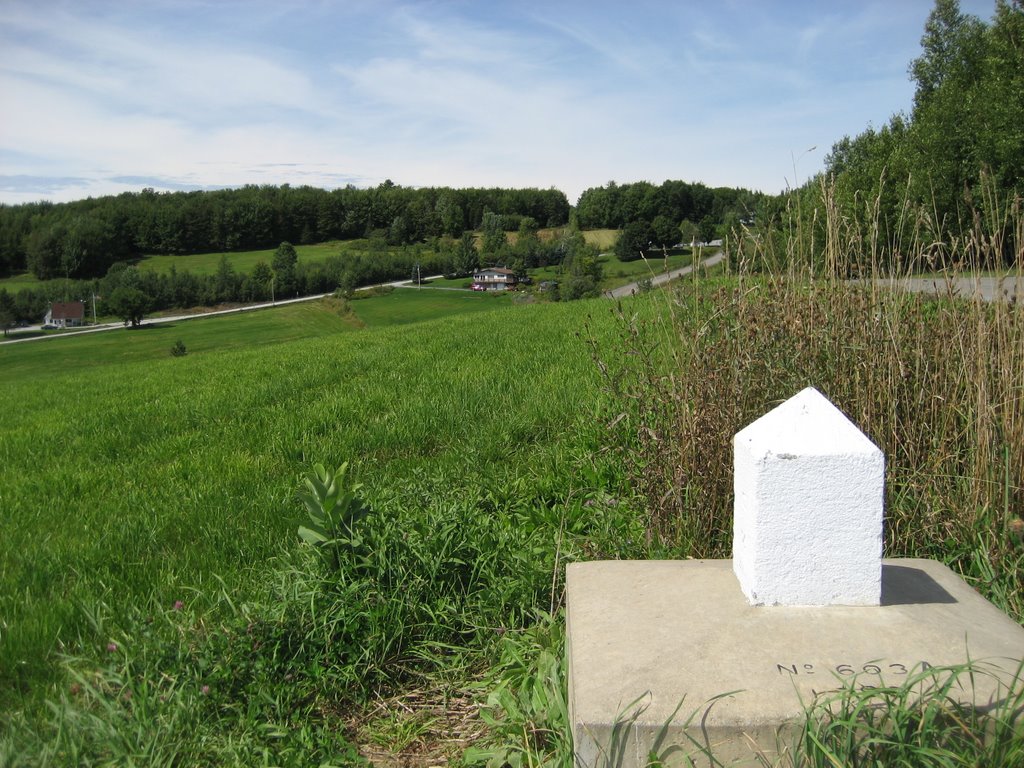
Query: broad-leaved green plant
x,y
334,506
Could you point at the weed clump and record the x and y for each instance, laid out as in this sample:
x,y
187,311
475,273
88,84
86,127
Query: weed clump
x,y
920,722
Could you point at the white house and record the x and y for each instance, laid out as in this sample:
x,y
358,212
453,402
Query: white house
x,y
494,279
65,314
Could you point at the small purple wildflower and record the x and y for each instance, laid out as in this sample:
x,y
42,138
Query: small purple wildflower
x,y
112,647
178,605
205,690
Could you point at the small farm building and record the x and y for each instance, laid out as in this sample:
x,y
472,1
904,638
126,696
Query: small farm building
x,y
65,314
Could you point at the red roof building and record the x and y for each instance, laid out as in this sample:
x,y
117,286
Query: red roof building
x,y
65,314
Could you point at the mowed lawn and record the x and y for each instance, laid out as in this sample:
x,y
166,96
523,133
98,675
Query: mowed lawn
x,y
153,342
242,261
263,327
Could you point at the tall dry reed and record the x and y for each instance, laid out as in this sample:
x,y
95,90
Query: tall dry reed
x,y
935,378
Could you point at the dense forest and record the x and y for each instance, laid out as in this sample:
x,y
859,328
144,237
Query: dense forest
x,y
666,213
87,245
950,171
84,238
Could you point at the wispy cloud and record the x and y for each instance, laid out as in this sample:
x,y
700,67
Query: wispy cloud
x,y
137,69
102,95
40,185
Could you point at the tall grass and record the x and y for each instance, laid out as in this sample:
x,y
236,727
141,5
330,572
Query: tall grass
x,y
922,722
128,483
937,381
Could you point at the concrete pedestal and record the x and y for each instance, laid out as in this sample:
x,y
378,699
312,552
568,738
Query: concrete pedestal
x,y
651,644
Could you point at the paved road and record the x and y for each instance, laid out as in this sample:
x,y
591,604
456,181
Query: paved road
x,y
179,318
625,290
664,277
1010,287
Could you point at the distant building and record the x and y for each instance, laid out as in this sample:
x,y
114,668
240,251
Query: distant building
x,y
65,314
494,279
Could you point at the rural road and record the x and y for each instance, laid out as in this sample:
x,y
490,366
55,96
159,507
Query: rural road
x,y
664,277
179,318
625,290
1008,288
989,288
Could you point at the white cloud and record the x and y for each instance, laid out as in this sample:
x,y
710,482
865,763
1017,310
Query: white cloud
x,y
137,69
570,95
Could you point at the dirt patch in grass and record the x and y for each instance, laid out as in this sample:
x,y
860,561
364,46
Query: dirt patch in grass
x,y
419,728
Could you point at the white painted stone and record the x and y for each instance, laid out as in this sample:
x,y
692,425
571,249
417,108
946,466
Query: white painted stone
x,y
808,511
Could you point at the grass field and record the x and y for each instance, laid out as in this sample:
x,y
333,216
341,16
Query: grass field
x,y
76,354
242,261
602,239
134,483
285,323
97,380
441,282
154,593
19,282
412,305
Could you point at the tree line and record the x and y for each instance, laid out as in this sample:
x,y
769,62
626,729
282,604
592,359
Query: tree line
x,y
662,215
82,239
952,170
130,292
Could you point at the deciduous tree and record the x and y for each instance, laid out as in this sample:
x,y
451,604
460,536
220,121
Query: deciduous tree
x,y
634,241
130,304
283,264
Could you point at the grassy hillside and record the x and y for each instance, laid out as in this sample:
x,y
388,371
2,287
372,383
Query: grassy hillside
x,y
289,322
244,261
153,589
18,282
131,483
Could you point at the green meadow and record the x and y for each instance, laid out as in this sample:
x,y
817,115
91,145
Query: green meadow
x,y
134,477
413,305
242,261
263,327
19,282
159,608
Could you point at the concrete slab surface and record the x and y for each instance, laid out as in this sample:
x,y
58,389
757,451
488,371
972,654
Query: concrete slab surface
x,y
652,643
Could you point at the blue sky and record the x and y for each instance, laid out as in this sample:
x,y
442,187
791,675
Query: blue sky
x,y
103,97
